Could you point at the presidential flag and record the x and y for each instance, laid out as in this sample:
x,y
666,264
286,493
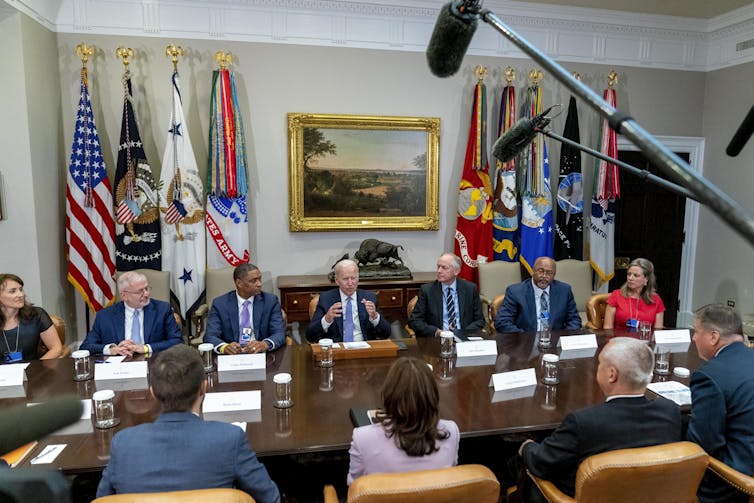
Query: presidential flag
x,y
505,234
181,198
137,223
536,200
89,225
569,228
226,220
473,237
606,191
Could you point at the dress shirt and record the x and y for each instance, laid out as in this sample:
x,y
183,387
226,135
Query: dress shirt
x,y
129,323
357,335
454,293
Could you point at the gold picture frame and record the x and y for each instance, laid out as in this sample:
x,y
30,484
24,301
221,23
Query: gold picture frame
x,y
354,172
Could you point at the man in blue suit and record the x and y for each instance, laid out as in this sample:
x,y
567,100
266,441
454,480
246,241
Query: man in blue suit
x,y
722,398
180,451
542,296
347,313
136,324
246,320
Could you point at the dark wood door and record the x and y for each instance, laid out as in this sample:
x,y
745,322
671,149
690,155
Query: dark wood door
x,y
649,224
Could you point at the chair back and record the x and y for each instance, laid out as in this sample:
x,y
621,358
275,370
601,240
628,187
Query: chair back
x,y
578,274
495,277
661,473
313,305
59,325
220,495
410,309
218,282
159,283
494,306
444,485
595,310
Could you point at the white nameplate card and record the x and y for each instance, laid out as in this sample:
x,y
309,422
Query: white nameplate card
x,y
572,354
232,401
355,345
48,454
476,348
514,379
126,370
586,341
672,336
256,361
13,375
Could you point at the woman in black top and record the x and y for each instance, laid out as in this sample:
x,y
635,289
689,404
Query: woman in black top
x,y
22,325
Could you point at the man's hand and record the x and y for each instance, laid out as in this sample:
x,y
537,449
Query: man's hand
x,y
335,311
255,347
371,308
233,348
126,348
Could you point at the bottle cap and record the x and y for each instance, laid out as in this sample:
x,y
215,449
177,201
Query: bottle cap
x,y
282,378
681,372
105,394
549,357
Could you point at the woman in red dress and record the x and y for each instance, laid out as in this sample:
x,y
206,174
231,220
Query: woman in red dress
x,y
636,300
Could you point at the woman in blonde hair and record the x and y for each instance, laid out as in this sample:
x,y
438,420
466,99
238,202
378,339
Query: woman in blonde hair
x,y
636,300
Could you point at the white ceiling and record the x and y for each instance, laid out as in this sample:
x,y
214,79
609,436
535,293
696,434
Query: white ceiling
x,y
704,9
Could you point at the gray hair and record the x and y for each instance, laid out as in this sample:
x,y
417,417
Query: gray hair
x,y
723,319
125,279
454,258
633,359
346,261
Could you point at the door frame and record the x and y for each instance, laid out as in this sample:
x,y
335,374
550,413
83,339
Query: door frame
x,y
694,147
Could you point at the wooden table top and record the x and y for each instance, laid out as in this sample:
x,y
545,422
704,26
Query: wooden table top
x,y
319,419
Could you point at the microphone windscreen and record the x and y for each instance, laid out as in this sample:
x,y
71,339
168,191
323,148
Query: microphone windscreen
x,y
515,140
22,424
742,134
450,39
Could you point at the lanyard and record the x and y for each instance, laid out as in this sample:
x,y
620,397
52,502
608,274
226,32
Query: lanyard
x,y
15,350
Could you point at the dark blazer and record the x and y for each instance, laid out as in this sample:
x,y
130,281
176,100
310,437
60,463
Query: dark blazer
x,y
180,452
621,423
222,322
335,332
519,312
426,317
160,328
722,416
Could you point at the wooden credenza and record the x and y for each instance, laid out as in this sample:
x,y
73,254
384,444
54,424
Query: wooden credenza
x,y
392,294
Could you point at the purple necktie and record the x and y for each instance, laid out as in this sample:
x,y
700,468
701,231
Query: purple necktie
x,y
348,322
245,319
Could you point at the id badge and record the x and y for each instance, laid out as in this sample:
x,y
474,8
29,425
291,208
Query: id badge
x,y
245,336
632,323
13,356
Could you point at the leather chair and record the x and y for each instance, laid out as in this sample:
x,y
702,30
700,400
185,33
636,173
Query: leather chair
x,y
494,278
660,473
159,284
59,325
313,305
578,274
217,282
221,495
741,481
444,485
410,309
493,308
595,310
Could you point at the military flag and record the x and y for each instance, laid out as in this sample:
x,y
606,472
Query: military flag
x,y
569,228
181,205
473,237
226,220
606,191
137,222
89,225
505,234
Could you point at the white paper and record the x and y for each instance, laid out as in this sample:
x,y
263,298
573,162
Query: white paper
x,y
672,336
48,454
355,345
475,338
231,401
12,375
514,379
672,390
476,348
585,341
234,363
124,370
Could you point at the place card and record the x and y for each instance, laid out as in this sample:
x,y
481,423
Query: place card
x,y
675,347
48,454
672,336
513,379
233,406
513,394
235,363
355,345
13,374
586,341
572,354
476,348
123,370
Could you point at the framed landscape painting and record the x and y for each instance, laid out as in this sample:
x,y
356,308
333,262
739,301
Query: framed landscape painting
x,y
352,172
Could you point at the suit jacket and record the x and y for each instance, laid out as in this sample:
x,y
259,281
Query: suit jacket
x,y
426,317
160,328
180,452
222,323
722,416
519,312
621,423
335,332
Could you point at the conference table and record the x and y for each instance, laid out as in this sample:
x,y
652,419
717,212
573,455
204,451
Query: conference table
x,y
319,420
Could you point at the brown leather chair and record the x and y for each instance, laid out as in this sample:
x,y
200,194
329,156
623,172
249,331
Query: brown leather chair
x,y
217,282
410,309
492,310
313,305
223,495
661,473
741,481
445,485
59,325
595,310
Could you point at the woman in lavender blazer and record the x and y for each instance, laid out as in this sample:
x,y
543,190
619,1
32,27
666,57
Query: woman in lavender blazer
x,y
407,434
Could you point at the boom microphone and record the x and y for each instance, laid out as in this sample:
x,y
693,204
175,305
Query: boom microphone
x,y
22,424
517,138
742,134
455,25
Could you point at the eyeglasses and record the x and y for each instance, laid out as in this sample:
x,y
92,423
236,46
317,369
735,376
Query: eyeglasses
x,y
144,290
544,272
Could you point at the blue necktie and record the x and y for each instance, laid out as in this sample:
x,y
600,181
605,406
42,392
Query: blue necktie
x,y
348,322
135,329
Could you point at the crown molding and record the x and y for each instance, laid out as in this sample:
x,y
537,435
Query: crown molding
x,y
569,34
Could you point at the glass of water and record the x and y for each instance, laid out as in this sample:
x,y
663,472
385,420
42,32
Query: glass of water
x,y
645,328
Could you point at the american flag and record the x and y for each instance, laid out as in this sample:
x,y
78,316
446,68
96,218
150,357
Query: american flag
x,y
89,225
128,211
175,212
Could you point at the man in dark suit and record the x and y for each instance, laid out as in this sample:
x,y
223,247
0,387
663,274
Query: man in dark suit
x,y
529,303
180,451
246,320
136,324
449,303
347,313
625,420
722,398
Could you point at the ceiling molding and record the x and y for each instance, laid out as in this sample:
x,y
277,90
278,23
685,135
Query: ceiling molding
x,y
569,34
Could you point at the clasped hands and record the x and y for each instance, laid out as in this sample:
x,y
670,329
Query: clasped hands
x,y
127,347
336,310
252,347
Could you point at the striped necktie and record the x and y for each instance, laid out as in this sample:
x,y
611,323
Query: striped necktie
x,y
451,307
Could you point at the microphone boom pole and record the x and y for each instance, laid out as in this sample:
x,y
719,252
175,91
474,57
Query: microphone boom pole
x,y
735,215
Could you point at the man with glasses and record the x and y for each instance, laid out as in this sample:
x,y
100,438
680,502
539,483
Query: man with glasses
x,y
537,301
136,324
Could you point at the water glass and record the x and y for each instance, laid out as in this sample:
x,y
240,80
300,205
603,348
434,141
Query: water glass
x,y
206,351
447,368
447,344
662,360
543,335
326,379
326,359
82,367
104,409
550,369
551,393
282,390
645,327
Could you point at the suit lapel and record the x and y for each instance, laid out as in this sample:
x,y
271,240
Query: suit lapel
x,y
120,322
363,316
530,302
460,298
149,316
339,319
257,314
232,310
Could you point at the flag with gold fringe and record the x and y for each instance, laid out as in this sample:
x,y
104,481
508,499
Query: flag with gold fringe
x,y
473,237
505,233
569,225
